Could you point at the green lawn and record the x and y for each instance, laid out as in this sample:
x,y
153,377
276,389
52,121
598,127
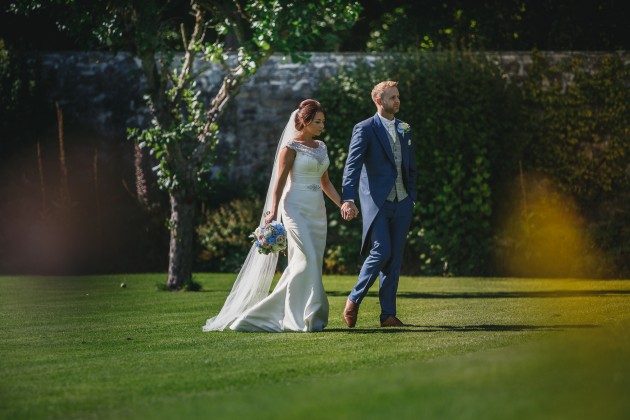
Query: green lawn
x,y
83,347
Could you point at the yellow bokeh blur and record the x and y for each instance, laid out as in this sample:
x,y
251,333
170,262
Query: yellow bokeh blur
x,y
543,234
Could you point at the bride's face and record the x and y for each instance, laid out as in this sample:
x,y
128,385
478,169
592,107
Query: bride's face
x,y
315,127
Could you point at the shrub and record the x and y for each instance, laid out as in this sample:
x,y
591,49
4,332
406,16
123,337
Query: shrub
x,y
579,119
580,125
22,100
224,234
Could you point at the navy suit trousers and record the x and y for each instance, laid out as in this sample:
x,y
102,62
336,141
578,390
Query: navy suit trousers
x,y
387,241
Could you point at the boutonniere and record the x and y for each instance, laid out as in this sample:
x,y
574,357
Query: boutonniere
x,y
403,128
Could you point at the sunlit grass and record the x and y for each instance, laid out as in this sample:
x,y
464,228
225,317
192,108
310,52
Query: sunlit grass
x,y
477,348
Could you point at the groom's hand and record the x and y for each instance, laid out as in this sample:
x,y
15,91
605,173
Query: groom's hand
x,y
349,210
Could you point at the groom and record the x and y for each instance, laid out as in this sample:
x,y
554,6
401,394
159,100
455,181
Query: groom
x,y
381,167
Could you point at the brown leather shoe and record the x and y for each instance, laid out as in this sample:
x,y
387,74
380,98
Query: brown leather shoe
x,y
392,321
351,313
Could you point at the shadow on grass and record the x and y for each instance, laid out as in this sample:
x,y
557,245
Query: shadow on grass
x,y
461,328
498,295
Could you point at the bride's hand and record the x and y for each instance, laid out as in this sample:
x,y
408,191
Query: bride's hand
x,y
349,210
270,217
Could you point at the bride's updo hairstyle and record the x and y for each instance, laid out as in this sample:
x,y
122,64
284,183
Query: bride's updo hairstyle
x,y
306,113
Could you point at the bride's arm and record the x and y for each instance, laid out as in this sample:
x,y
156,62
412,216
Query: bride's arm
x,y
285,163
330,189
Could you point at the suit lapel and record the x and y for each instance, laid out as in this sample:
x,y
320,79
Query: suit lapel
x,y
403,145
401,136
383,137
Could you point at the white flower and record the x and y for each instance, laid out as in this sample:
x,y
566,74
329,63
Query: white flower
x,y
270,238
403,127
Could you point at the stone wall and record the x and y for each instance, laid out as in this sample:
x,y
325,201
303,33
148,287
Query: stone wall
x,y
103,92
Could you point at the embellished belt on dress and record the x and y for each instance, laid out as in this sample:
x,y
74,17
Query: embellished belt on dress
x,y
310,187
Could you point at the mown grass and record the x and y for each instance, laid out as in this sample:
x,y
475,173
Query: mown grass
x,y
83,347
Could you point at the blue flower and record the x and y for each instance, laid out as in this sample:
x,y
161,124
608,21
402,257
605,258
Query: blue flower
x,y
270,239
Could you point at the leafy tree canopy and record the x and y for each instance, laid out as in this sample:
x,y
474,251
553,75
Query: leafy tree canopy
x,y
238,34
386,25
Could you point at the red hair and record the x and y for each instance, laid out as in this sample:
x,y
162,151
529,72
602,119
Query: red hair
x,y
306,113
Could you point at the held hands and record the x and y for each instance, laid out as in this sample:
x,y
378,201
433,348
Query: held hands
x,y
349,210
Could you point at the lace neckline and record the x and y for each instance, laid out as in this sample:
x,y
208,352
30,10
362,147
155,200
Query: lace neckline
x,y
319,152
317,142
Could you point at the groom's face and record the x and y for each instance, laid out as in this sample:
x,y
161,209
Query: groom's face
x,y
391,100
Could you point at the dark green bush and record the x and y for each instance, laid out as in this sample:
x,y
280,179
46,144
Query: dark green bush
x,y
23,103
465,121
544,234
580,125
224,234
579,121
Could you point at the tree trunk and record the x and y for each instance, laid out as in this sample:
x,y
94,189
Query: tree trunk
x,y
182,224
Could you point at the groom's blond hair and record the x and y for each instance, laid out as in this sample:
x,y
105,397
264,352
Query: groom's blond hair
x,y
379,89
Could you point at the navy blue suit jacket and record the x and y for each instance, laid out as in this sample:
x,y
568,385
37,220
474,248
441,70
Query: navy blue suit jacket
x,y
370,169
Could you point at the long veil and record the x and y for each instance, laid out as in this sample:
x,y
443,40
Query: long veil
x,y
254,280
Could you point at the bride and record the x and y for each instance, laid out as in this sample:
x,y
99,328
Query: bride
x,y
298,302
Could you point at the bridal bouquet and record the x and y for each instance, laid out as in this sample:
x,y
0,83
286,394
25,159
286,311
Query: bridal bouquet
x,y
271,238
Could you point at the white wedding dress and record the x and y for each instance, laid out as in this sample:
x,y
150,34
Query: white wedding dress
x,y
298,302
